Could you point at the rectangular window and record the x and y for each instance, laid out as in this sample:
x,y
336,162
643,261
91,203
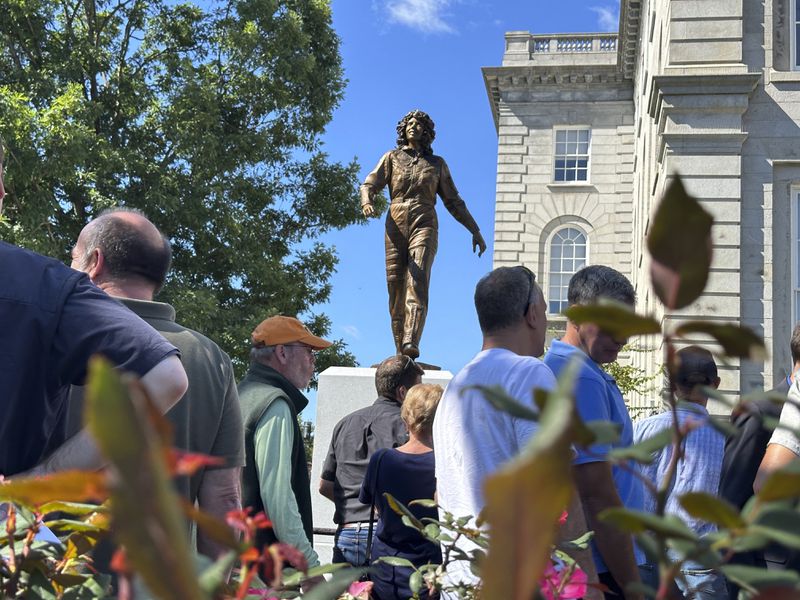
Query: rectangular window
x,y
796,34
796,253
572,154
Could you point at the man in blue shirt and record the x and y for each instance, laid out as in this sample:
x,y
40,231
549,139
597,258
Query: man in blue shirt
x,y
698,470
52,320
597,397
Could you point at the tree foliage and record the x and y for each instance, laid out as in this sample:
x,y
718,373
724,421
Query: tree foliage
x,y
205,116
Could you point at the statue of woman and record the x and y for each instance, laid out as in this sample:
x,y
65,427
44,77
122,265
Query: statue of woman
x,y
414,176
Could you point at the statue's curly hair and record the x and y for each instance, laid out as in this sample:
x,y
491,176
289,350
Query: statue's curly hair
x,y
428,135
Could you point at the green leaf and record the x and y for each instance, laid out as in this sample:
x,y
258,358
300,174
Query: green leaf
x,y
781,484
425,502
712,509
216,575
634,521
614,318
403,511
643,451
72,508
79,526
145,507
334,587
680,246
500,400
601,432
415,582
736,341
752,578
581,543
522,519
781,525
432,531
396,561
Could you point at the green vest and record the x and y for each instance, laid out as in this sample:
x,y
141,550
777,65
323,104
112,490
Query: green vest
x,y
261,386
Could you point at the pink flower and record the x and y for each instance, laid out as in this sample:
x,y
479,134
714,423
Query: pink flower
x,y
360,590
562,520
560,584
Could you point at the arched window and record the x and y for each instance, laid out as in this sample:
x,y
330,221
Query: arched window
x,y
567,256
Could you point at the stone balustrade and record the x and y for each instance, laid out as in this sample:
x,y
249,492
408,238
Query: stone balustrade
x,y
523,48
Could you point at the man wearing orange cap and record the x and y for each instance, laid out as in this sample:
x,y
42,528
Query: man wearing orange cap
x,y
275,478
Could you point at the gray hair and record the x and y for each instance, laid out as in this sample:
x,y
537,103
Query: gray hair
x,y
591,283
502,297
261,354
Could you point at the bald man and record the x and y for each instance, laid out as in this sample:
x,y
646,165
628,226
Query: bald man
x,y
125,255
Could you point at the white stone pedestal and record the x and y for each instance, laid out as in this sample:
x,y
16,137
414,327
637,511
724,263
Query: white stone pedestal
x,y
341,391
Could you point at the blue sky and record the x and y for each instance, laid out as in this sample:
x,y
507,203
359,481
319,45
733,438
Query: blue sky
x,y
400,55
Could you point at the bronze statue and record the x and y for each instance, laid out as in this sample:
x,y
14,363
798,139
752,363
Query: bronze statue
x,y
414,176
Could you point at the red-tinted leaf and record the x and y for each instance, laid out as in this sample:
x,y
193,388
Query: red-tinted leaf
x,y
119,562
189,463
292,555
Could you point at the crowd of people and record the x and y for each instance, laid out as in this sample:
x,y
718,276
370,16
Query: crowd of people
x,y
415,441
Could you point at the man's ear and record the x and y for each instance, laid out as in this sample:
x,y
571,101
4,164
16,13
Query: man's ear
x,y
95,265
400,393
717,382
530,317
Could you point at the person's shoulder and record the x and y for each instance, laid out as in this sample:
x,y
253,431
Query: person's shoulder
x,y
33,278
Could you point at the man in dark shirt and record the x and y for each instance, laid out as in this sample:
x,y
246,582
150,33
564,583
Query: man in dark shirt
x,y
126,256
52,320
743,455
355,438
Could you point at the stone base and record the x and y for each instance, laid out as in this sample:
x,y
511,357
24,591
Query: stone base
x,y
341,391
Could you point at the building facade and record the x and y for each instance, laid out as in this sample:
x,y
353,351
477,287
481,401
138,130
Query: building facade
x,y
592,127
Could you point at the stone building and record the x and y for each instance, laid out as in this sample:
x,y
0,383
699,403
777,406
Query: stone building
x,y
592,127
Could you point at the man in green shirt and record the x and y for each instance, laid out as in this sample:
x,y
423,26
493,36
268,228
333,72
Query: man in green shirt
x,y
275,477
126,256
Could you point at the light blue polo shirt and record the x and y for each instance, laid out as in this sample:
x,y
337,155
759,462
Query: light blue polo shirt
x,y
598,398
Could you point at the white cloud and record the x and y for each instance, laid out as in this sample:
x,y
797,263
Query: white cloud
x,y
427,16
352,331
607,17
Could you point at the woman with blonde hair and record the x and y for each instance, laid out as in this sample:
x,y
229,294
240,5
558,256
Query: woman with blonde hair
x,y
407,473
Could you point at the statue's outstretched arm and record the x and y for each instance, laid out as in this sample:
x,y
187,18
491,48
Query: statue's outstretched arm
x,y
458,208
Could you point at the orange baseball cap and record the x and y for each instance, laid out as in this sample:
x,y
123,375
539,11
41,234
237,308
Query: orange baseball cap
x,y
286,330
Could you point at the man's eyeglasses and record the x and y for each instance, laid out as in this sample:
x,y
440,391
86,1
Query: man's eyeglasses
x,y
409,362
531,282
309,349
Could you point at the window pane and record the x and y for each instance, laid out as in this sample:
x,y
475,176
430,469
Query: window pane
x,y
582,175
571,163
583,163
561,136
797,44
560,163
584,133
556,251
561,148
572,135
580,251
570,176
560,175
796,307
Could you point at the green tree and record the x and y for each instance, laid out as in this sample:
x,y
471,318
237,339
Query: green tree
x,y
205,116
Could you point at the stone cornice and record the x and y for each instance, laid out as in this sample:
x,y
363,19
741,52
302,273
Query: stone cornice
x,y
497,79
629,25
701,83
